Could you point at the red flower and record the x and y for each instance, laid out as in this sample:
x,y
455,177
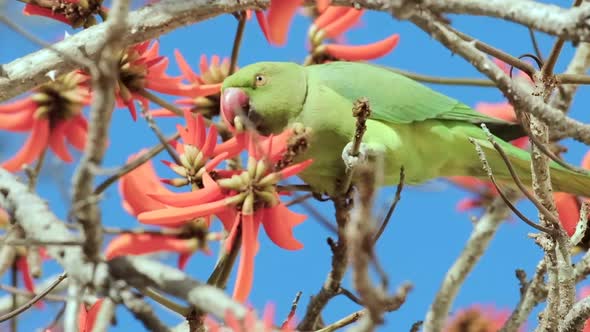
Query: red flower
x,y
53,115
87,317
73,12
134,186
333,22
478,318
207,86
139,244
250,322
242,202
142,68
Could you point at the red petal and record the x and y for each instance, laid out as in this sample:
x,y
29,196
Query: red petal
x,y
263,23
209,193
77,132
210,142
233,146
216,161
331,14
278,223
586,160
207,90
294,169
503,111
179,215
31,9
343,23
19,105
245,274
280,15
138,244
185,68
322,5
17,121
568,209
36,142
133,188
57,141
363,52
91,316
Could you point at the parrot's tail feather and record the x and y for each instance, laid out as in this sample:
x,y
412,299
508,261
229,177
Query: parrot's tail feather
x,y
562,179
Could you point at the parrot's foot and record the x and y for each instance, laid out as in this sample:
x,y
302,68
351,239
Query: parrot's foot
x,y
353,161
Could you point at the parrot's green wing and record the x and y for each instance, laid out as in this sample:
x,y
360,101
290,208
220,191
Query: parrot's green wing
x,y
393,97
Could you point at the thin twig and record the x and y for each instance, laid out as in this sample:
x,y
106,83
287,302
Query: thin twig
x,y
361,110
237,42
535,44
517,180
154,127
488,170
293,310
396,199
478,82
355,316
34,300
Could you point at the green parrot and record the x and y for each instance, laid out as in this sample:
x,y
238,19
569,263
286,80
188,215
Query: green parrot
x,y
410,125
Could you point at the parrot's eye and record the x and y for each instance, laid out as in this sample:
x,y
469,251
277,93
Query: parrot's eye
x,y
259,80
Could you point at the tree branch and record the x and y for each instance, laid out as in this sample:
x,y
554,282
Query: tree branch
x,y
145,23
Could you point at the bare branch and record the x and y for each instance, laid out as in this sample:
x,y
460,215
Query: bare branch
x,y
146,23
478,241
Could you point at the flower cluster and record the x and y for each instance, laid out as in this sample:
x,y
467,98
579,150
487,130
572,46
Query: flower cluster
x,y
243,200
53,115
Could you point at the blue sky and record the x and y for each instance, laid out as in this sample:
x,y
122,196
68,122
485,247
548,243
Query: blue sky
x,y
426,233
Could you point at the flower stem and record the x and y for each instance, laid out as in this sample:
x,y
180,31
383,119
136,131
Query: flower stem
x,y
220,274
166,302
237,42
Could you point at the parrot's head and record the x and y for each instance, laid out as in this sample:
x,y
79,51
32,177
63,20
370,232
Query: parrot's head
x,y
268,94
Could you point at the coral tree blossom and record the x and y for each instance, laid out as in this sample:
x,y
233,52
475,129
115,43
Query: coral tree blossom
x,y
206,86
141,68
52,115
332,23
478,318
76,13
243,199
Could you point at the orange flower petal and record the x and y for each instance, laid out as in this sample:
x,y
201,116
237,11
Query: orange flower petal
x,y
210,142
204,90
503,111
36,142
18,106
216,161
586,160
162,112
133,188
138,244
77,132
322,5
179,215
232,146
331,14
57,142
568,209
17,121
263,23
362,52
245,275
209,193
87,318
185,68
343,23
294,169
278,222
280,16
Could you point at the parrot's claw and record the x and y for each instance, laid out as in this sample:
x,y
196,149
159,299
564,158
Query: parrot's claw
x,y
353,161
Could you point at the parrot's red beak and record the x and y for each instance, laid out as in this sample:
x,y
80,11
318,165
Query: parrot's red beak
x,y
234,102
